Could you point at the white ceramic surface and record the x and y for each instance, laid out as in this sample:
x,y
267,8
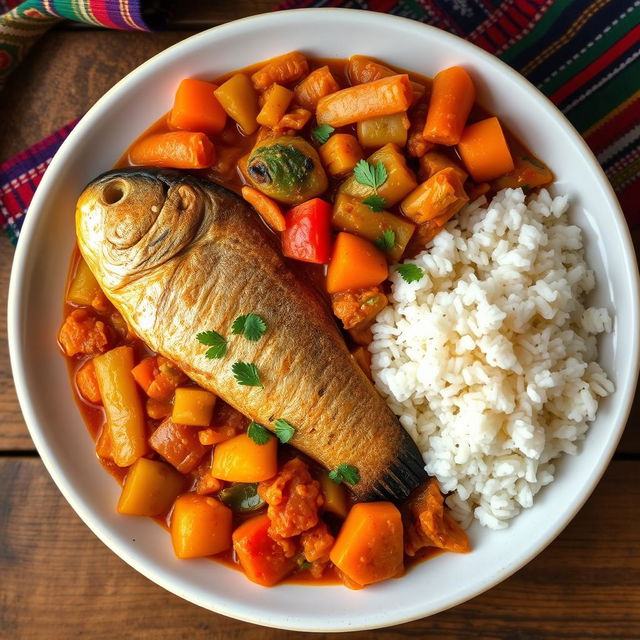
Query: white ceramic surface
x,y
35,313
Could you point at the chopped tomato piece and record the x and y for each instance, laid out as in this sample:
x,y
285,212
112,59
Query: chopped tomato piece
x,y
83,333
88,383
294,499
316,545
261,557
308,233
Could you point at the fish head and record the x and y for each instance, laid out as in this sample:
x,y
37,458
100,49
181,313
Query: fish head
x,y
129,221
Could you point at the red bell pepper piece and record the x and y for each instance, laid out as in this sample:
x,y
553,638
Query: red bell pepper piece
x,y
308,233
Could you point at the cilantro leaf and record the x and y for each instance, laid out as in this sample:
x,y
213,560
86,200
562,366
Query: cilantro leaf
x,y
375,203
258,433
369,175
322,133
251,325
386,241
246,374
217,344
284,431
345,473
410,272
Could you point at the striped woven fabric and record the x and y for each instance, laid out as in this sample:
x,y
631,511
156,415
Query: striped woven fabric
x,y
583,54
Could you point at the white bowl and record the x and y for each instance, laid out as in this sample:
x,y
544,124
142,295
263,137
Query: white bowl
x,y
40,267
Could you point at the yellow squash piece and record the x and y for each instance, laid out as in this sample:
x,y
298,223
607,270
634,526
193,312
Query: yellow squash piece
x,y
376,132
84,287
150,488
240,100
335,496
122,404
193,406
240,459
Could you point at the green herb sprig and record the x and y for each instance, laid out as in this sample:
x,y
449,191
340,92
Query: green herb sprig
x,y
410,272
258,433
386,241
375,203
322,133
345,473
284,431
246,374
252,326
369,175
216,343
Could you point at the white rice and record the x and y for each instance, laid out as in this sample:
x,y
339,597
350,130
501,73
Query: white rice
x,y
490,360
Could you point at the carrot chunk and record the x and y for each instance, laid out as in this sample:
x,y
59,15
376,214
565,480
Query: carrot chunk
x,y
283,69
177,149
196,108
369,547
355,264
145,372
452,97
484,150
316,85
83,333
268,209
200,526
87,383
379,98
262,559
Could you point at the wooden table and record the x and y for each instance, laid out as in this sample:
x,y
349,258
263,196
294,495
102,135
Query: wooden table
x,y
57,581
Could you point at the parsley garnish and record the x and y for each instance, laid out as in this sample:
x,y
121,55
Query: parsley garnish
x,y
386,241
375,203
410,272
345,473
246,374
322,133
216,343
251,325
369,175
304,564
284,431
258,433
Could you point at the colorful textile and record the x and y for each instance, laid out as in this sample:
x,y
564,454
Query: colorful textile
x,y
583,54
23,24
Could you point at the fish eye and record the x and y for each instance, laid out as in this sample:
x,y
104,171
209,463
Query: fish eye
x,y
260,172
113,192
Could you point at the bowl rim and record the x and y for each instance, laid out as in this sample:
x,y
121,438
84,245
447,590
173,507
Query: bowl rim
x,y
20,269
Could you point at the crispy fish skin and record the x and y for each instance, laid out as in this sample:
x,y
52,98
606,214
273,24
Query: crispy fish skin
x,y
178,256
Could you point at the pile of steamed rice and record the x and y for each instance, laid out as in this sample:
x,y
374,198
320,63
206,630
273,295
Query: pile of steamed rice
x,y
490,359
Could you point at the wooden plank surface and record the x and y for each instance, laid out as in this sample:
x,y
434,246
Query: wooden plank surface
x,y
57,581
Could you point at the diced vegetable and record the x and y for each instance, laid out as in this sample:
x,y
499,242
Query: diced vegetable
x,y
242,497
158,409
177,149
276,102
150,488
434,161
268,209
340,153
167,379
196,108
216,435
335,496
178,444
283,69
429,525
400,179
417,144
262,559
103,445
240,459
350,214
122,404
358,306
452,97
318,84
355,264
206,484
369,547
193,406
307,236
361,69
144,372
240,101
287,169
296,119
363,358
84,287
441,196
200,526
528,173
376,132
83,333
362,335
87,383
424,234
378,98
484,150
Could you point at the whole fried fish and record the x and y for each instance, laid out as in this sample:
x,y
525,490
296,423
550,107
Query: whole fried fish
x,y
178,256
